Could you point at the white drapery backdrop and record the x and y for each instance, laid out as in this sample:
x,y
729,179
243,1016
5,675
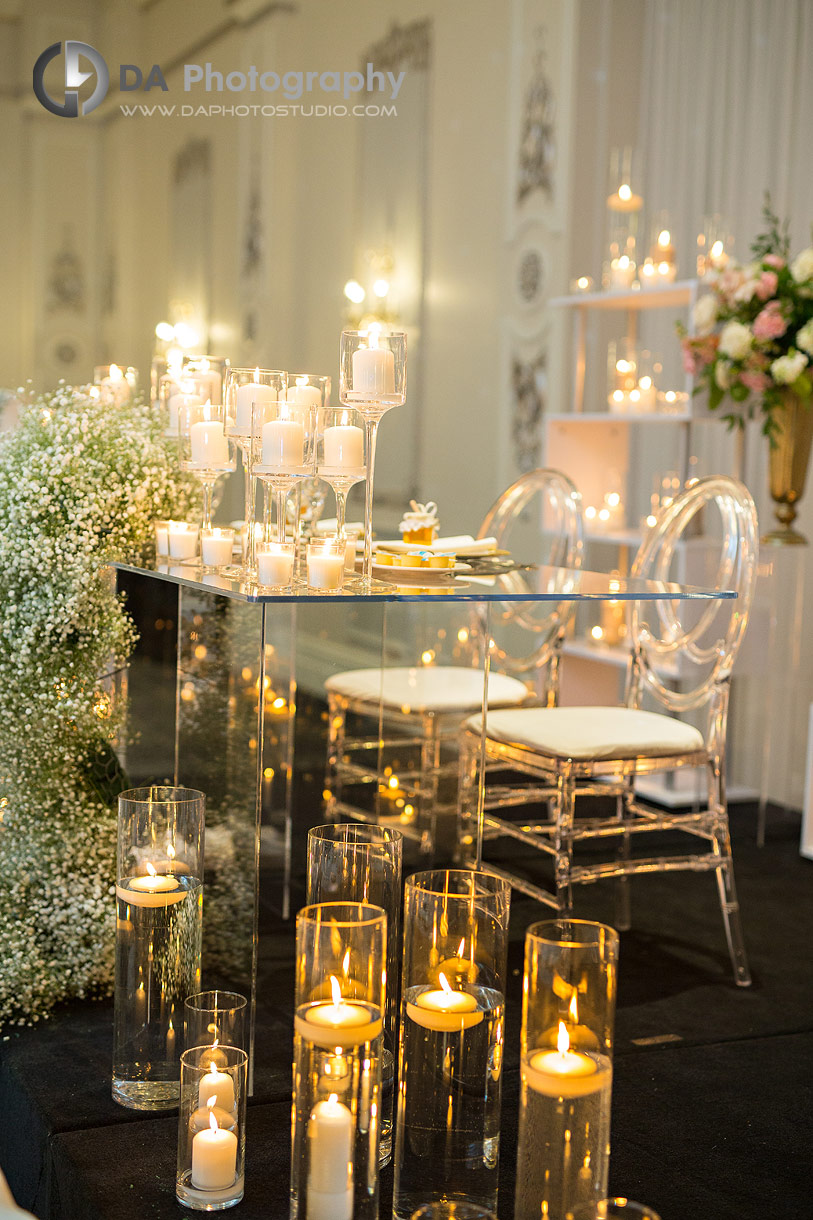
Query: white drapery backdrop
x,y
726,113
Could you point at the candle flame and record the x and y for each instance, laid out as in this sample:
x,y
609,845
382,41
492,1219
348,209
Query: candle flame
x,y
444,982
150,869
212,1119
664,237
562,1040
115,373
335,987
303,380
211,1101
625,191
346,963
716,249
373,332
257,373
345,418
170,851
573,1010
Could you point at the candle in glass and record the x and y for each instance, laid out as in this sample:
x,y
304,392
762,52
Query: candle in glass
x,y
373,368
244,398
216,547
275,564
208,443
326,564
344,445
182,539
214,1157
283,441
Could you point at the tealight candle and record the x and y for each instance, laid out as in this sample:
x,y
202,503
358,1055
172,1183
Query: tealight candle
x,y
151,890
325,566
161,538
208,443
283,443
330,1181
214,1157
564,1072
445,1010
216,547
183,539
275,564
337,1023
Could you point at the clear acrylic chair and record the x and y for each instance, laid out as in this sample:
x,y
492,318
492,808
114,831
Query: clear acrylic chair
x,y
419,708
550,756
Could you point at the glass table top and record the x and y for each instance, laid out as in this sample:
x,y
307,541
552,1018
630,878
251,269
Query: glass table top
x,y
519,583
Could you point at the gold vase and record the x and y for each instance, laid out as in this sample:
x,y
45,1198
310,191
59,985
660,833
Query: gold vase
x,y
788,458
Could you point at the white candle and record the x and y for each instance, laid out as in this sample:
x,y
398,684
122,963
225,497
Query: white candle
x,y
275,565
214,1157
247,395
218,1085
325,568
161,538
337,1023
183,540
446,1010
209,445
344,447
564,1072
373,369
283,443
350,553
216,547
151,890
330,1157
179,401
622,272
304,395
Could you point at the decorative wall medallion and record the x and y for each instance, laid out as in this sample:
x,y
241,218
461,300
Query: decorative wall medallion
x,y
192,159
253,240
537,147
66,279
404,46
530,276
529,384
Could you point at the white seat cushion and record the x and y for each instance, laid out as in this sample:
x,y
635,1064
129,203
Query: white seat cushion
x,y
599,733
439,688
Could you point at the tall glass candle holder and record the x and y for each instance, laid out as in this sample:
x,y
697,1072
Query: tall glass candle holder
x,y
348,862
715,245
117,383
338,1023
245,387
158,939
568,1011
624,204
174,393
447,1135
341,457
373,380
215,1016
204,447
285,454
631,379
660,265
212,1128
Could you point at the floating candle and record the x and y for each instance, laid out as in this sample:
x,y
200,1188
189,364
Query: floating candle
x,y
152,890
445,1010
565,1072
337,1023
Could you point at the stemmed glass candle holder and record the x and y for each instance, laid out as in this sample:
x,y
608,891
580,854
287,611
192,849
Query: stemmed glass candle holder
x,y
215,1017
176,392
624,205
373,380
447,1134
341,457
352,863
338,1022
212,1128
245,387
117,383
204,448
287,454
568,1010
158,939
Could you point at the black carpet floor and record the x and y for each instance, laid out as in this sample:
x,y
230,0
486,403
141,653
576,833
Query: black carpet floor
x,y
713,1089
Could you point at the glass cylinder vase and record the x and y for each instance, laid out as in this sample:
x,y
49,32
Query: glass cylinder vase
x,y
568,1011
348,862
212,1128
338,1023
158,939
451,1040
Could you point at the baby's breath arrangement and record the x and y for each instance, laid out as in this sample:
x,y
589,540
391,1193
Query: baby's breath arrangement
x,y
81,482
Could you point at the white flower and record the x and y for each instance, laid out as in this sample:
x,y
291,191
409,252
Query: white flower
x,y
736,340
804,338
802,266
705,314
723,374
785,369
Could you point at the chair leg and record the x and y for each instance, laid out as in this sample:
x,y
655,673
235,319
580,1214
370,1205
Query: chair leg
x,y
623,912
731,907
565,801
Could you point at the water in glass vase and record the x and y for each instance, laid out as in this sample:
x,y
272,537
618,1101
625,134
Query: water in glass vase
x,y
158,946
563,1154
448,1126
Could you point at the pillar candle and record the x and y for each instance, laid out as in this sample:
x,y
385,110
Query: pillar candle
x,y
373,371
330,1156
245,396
214,1158
283,443
209,445
344,447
